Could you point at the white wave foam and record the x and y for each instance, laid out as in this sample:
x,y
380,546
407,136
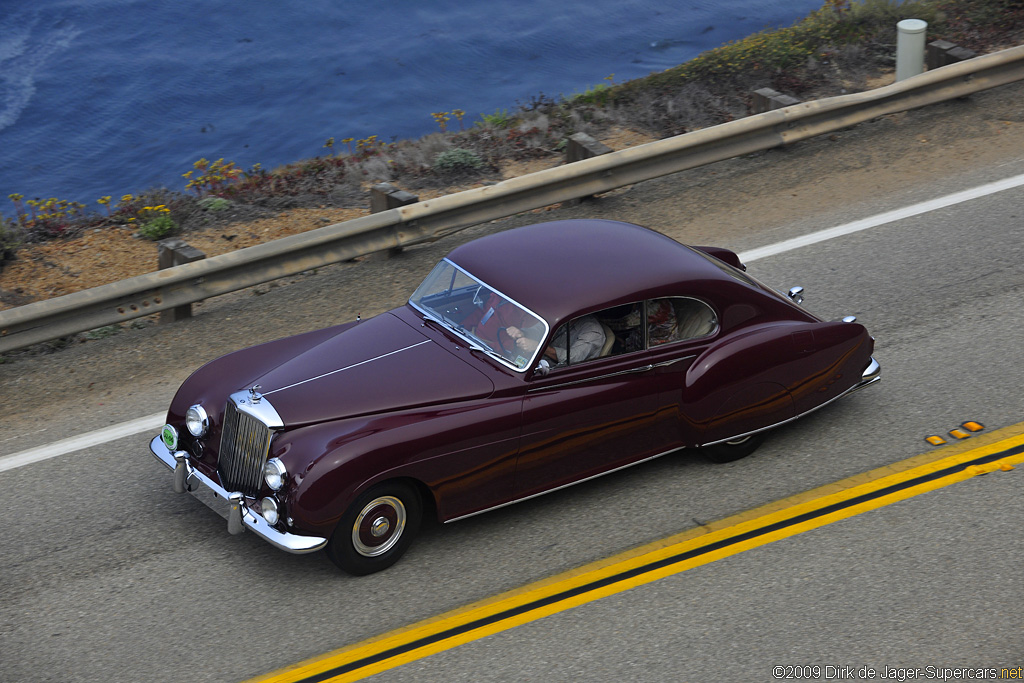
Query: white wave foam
x,y
24,51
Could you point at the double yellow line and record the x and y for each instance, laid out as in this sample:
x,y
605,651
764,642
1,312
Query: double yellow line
x,y
998,450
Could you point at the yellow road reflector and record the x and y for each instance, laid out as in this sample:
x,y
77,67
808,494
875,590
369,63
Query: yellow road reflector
x,y
958,434
935,440
973,426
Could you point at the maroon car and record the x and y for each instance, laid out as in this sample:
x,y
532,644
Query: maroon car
x,y
526,361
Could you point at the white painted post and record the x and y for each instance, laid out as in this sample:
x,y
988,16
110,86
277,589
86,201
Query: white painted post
x,y
910,37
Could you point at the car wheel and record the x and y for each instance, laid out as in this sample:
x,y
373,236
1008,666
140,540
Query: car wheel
x,y
377,529
733,450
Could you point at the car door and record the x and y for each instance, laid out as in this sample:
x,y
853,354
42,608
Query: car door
x,y
592,415
678,330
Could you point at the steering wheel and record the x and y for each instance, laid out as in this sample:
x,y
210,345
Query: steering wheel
x,y
501,344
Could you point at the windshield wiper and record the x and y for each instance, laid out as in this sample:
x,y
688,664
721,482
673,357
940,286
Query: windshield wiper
x,y
444,323
449,325
474,343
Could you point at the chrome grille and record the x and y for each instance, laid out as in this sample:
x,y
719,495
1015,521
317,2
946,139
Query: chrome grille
x,y
244,444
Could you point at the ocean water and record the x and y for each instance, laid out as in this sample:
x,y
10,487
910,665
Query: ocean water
x,y
108,97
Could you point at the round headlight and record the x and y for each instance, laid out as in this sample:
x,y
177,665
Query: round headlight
x,y
197,421
270,513
274,474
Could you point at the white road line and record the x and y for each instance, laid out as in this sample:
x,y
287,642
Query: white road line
x,y
150,423
153,422
880,219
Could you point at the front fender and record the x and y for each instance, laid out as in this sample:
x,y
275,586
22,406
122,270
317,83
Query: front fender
x,y
464,454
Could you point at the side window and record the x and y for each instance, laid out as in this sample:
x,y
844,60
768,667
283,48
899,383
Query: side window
x,y
610,332
675,319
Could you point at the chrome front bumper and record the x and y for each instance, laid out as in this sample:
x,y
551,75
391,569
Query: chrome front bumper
x,y
231,505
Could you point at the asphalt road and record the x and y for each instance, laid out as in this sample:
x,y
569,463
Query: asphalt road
x,y
110,576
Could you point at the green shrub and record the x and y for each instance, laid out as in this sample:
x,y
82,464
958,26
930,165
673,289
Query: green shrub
x,y
457,160
499,119
214,203
158,228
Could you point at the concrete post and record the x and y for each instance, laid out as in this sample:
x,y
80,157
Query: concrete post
x,y
766,99
910,37
174,252
581,146
941,53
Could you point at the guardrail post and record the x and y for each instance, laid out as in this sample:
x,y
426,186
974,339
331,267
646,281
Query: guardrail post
x,y
910,37
766,99
384,196
943,53
581,146
174,252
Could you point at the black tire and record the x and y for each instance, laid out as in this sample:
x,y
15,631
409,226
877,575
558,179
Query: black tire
x,y
377,529
729,451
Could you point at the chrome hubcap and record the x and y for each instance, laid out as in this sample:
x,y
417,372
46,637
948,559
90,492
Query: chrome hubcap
x,y
378,527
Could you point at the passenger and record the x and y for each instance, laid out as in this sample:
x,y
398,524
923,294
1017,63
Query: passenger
x,y
662,326
586,338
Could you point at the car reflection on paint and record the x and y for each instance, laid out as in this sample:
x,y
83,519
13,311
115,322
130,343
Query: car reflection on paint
x,y
526,361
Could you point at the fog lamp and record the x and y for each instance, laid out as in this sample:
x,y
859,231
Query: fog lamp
x,y
274,473
197,421
270,513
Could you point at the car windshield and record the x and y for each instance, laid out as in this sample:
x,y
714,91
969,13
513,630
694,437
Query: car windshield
x,y
490,321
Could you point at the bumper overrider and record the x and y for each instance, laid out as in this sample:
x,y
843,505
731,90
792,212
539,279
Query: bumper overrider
x,y
872,373
236,505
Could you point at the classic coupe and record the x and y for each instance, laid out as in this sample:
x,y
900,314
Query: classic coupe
x,y
526,361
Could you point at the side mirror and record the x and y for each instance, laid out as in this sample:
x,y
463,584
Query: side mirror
x,y
796,294
543,368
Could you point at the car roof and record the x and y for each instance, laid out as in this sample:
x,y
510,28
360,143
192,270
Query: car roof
x,y
562,268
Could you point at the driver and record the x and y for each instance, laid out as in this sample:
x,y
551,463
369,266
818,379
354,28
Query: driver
x,y
505,324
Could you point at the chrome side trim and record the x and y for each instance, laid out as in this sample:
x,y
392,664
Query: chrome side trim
x,y
240,516
872,373
348,367
563,486
666,363
631,371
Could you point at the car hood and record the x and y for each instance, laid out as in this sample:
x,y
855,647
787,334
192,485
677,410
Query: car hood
x,y
381,364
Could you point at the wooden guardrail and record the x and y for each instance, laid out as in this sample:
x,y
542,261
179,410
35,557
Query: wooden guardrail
x,y
434,218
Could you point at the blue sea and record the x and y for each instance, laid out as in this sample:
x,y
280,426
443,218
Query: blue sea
x,y
109,97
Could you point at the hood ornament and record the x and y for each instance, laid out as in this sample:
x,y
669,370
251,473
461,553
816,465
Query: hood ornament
x,y
255,395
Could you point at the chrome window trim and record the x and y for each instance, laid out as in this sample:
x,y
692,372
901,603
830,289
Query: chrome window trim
x,y
473,342
712,333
